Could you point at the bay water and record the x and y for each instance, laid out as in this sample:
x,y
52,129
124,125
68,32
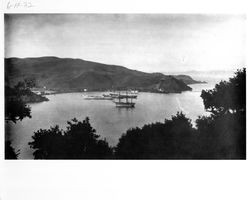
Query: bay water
x,y
109,121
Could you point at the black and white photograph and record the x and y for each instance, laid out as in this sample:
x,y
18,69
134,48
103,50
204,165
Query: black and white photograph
x,y
125,86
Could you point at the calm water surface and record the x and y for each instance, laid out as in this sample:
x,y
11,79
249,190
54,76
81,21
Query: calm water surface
x,y
110,122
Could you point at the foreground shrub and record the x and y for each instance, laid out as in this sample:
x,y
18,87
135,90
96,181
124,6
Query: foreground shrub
x,y
169,140
79,141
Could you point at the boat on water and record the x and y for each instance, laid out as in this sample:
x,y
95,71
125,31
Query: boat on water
x,y
124,104
123,94
133,91
132,96
108,95
97,98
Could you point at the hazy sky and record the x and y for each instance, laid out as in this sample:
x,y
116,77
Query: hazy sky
x,y
144,42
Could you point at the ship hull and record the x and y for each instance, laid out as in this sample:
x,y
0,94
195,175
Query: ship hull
x,y
125,105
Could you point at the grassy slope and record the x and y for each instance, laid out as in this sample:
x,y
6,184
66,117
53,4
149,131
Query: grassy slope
x,y
65,74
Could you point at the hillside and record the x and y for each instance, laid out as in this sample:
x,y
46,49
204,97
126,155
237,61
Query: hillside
x,y
187,79
67,75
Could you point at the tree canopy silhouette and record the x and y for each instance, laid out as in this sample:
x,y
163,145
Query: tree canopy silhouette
x,y
169,140
78,141
10,152
17,97
15,108
222,135
227,96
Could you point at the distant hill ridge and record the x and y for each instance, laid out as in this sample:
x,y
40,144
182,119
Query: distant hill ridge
x,y
67,75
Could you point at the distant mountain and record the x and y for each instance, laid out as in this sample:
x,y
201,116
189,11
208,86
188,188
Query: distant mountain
x,y
67,75
209,76
187,79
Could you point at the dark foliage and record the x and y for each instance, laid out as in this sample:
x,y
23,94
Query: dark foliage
x,y
17,97
223,134
30,82
227,96
219,136
169,140
15,108
79,141
10,152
